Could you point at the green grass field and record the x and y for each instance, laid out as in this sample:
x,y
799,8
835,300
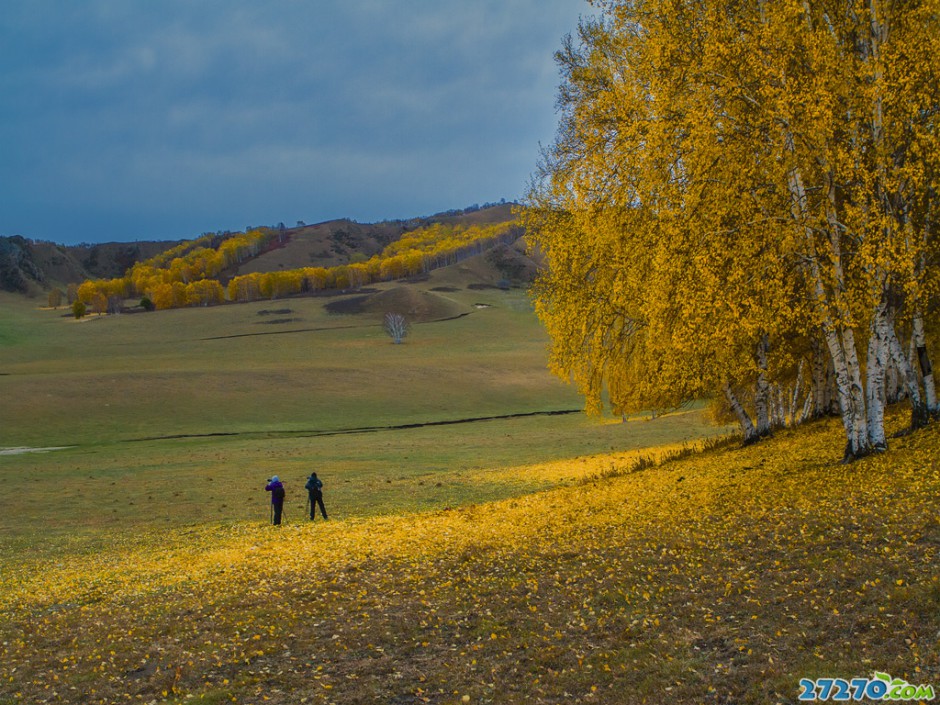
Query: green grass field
x,y
177,417
229,370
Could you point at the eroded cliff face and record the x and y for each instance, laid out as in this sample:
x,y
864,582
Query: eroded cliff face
x,y
18,270
30,266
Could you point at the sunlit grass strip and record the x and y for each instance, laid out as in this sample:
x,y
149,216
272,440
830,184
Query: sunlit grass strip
x,y
157,560
148,560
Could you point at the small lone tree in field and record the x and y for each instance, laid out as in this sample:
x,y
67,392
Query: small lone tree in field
x,y
78,308
396,326
55,298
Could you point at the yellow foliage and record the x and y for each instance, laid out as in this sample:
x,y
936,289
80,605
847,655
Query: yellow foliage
x,y
720,563
731,181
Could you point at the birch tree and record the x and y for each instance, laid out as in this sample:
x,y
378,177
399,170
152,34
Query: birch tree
x,y
728,177
658,283
396,326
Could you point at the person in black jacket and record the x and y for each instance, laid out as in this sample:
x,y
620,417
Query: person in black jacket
x,y
276,488
314,488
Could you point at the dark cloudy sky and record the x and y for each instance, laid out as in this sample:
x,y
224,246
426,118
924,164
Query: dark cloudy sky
x,y
164,119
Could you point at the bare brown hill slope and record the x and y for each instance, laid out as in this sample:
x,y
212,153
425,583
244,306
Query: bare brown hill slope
x,y
324,245
416,305
337,242
501,266
425,298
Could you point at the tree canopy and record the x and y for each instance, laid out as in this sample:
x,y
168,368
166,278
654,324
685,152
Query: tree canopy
x,y
737,189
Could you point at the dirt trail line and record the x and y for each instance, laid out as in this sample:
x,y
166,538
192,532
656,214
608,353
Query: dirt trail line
x,y
327,328
310,433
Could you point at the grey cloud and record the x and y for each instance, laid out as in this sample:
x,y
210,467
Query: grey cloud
x,y
246,110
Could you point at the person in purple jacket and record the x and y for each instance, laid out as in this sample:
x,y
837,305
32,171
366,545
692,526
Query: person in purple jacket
x,y
276,488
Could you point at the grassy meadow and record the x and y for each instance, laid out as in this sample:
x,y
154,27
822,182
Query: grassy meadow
x,y
248,369
177,417
518,559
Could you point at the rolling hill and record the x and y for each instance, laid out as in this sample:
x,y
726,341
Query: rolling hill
x,y
343,241
32,267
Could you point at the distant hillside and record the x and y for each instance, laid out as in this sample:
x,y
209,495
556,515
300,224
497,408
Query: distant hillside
x,y
31,267
18,270
338,242
327,244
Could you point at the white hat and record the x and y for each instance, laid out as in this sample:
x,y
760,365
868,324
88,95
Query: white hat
x,y
275,479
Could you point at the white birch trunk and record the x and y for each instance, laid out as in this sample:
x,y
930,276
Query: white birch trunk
x,y
762,398
876,365
919,413
926,369
841,343
807,406
860,442
744,420
795,396
840,370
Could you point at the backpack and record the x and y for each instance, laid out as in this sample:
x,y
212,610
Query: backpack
x,y
277,494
